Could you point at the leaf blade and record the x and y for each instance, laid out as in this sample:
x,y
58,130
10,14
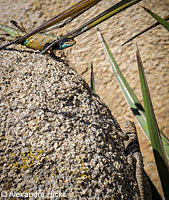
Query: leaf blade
x,y
129,95
164,23
156,141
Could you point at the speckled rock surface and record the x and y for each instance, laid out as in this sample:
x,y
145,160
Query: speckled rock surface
x,y
56,136
154,49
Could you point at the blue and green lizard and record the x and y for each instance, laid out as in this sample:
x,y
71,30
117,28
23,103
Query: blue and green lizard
x,y
38,41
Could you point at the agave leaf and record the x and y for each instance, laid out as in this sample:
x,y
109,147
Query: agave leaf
x,y
158,149
158,18
131,98
129,95
92,81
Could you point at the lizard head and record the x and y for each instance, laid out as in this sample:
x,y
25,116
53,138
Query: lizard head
x,y
65,43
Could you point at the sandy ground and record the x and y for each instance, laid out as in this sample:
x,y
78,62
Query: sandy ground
x,y
154,49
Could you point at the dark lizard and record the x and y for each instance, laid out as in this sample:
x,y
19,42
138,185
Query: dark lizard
x,y
135,159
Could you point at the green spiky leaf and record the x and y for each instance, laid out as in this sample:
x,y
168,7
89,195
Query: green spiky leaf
x,y
157,146
164,23
131,98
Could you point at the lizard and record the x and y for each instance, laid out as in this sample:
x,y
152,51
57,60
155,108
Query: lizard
x,y
38,41
134,158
